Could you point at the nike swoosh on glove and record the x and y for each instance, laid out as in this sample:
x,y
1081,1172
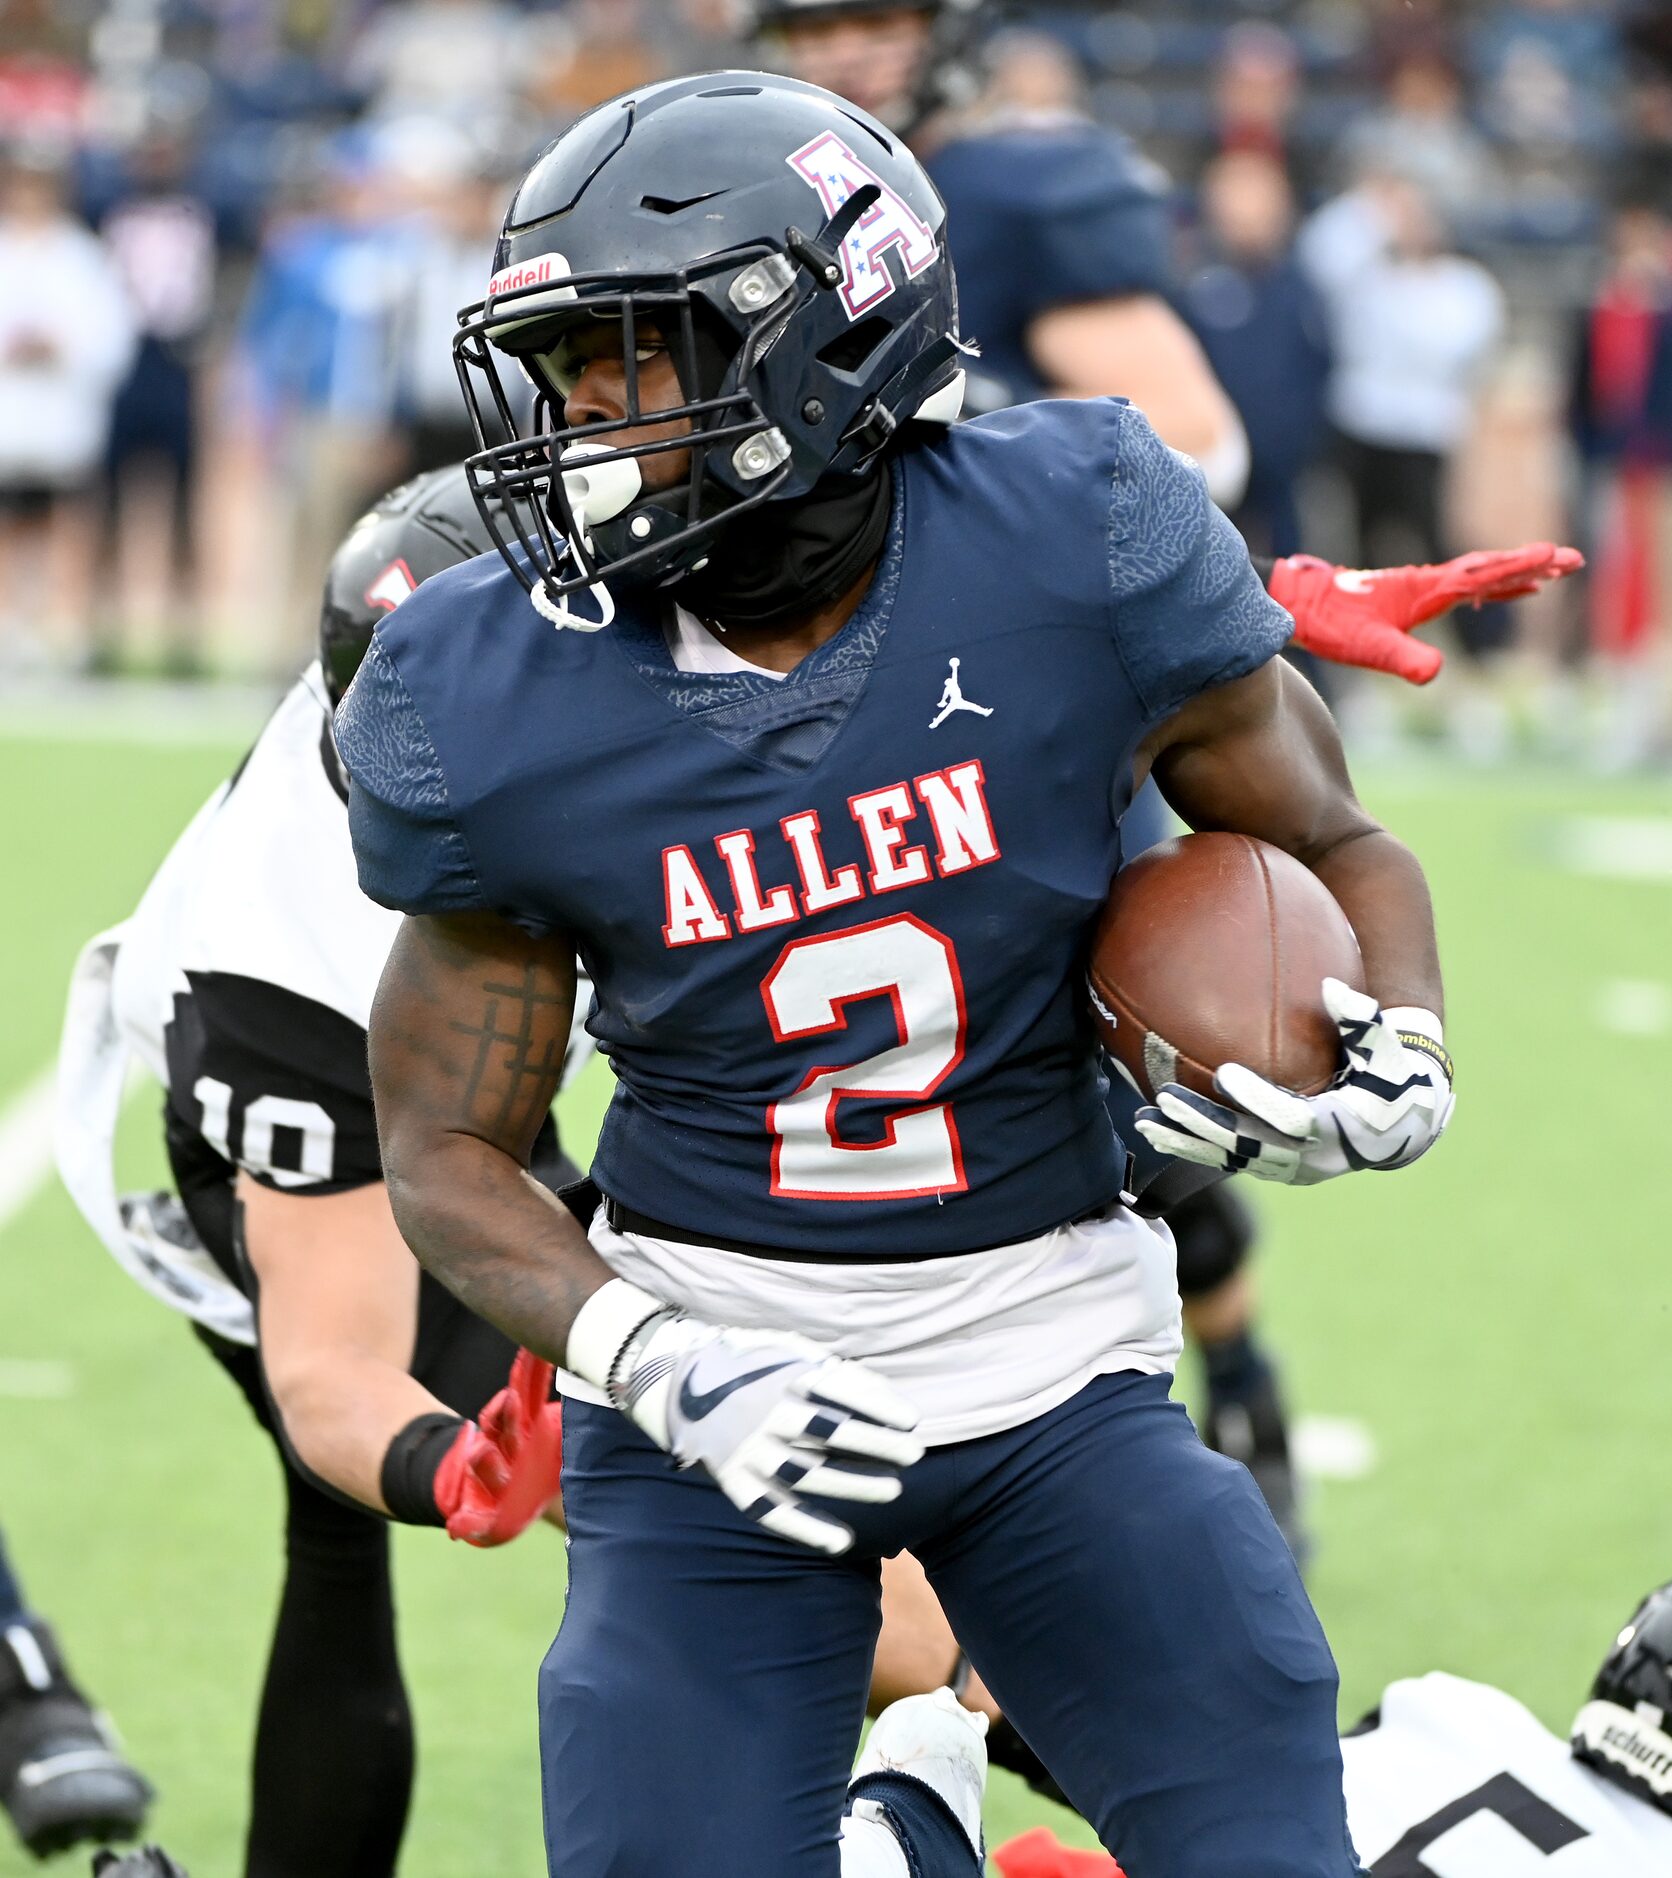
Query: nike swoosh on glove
x,y
1387,1107
771,1416
1362,616
505,1468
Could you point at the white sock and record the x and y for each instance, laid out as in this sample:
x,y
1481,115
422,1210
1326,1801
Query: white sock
x,y
869,1847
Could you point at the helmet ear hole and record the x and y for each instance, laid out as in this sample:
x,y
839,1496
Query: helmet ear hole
x,y
848,351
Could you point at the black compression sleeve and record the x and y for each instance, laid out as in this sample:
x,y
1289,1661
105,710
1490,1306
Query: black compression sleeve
x,y
410,1467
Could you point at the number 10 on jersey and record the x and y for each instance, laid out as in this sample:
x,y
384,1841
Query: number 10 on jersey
x,y
806,994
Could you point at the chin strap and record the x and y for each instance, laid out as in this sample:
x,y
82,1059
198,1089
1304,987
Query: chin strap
x,y
561,615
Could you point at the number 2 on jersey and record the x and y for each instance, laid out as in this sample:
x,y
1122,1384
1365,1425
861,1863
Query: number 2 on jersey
x,y
806,995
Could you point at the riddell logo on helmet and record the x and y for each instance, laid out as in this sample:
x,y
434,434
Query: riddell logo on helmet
x,y
534,272
830,167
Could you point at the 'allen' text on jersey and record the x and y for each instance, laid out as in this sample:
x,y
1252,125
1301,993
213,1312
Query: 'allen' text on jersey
x,y
954,802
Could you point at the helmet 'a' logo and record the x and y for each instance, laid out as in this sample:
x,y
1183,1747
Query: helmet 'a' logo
x,y
391,587
830,167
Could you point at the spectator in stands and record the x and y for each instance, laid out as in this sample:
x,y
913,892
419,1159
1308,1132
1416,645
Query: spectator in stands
x,y
1647,110
1423,133
66,339
1033,75
43,76
1412,325
1263,326
161,235
1620,413
317,364
611,48
462,59
1548,72
1401,29
459,205
705,35
1256,91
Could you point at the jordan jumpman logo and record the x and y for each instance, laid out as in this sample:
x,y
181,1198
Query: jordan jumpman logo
x,y
952,699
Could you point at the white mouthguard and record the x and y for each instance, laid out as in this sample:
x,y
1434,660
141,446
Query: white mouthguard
x,y
600,493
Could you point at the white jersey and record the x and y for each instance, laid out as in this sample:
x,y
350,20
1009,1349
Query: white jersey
x,y
244,983
1453,1779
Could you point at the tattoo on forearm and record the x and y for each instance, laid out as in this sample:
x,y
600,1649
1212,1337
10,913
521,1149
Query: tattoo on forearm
x,y
467,1037
513,1072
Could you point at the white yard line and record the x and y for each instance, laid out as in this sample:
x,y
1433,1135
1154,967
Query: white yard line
x,y
25,1146
26,1164
1615,847
26,1380
1634,1007
1333,1447
211,715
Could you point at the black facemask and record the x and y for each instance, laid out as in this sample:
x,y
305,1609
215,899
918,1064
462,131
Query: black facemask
x,y
790,557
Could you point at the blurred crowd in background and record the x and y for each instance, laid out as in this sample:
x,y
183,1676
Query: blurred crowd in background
x,y
1427,247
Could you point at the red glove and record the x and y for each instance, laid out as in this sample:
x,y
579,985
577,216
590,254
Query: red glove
x,y
1040,1854
1360,616
502,1473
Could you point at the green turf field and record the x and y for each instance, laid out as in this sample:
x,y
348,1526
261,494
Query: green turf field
x,y
1499,1319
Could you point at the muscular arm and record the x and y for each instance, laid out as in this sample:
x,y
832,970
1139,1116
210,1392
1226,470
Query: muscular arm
x,y
1261,756
339,1317
1136,347
467,1037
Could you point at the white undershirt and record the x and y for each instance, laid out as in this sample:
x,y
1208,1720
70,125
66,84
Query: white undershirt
x,y
975,1341
696,649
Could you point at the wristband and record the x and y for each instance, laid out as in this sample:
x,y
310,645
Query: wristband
x,y
1420,1030
413,1459
604,1326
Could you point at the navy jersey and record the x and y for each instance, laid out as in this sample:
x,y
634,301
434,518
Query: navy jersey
x,y
1040,213
836,923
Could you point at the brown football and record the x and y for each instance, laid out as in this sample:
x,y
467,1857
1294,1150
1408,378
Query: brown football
x,y
1213,949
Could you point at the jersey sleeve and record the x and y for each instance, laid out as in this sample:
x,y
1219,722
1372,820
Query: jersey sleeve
x,y
276,1083
1189,610
409,850
1099,225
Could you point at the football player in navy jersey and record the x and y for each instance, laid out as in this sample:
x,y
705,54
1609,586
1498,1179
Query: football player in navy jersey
x,y
1062,231
1061,226
808,721
243,981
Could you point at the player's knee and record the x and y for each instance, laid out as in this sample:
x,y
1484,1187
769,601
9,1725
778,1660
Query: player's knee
x,y
1214,1231
1259,1606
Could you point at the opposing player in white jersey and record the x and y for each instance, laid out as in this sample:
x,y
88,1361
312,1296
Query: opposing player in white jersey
x,y
1455,1779
1452,1779
243,982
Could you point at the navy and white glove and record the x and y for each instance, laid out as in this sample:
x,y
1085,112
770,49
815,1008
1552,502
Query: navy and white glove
x,y
1387,1106
771,1416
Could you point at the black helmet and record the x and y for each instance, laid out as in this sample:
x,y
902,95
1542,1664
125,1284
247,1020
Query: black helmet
x,y
1624,1733
410,534
950,74
798,354
150,1861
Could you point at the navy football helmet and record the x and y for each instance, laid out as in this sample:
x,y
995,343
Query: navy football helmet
x,y
405,537
683,206
1624,1733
